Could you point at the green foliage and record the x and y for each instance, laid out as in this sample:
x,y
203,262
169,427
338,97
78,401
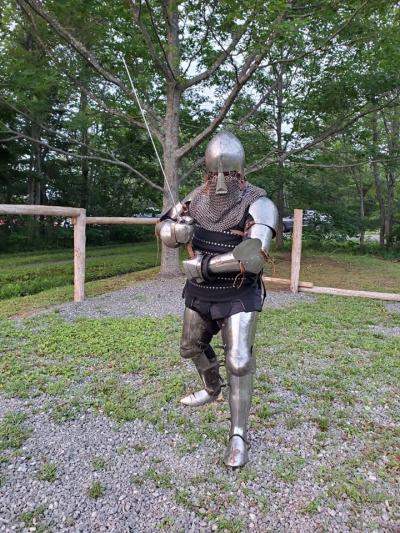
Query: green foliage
x,y
320,71
31,518
46,235
99,464
288,469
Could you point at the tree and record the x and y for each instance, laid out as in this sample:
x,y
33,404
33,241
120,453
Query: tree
x,y
285,76
236,41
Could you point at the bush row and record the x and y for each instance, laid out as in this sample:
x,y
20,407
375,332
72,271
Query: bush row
x,y
42,236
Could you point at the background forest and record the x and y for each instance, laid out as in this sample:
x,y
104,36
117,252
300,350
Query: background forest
x,y
311,89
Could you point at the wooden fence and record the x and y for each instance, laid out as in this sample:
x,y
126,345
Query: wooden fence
x,y
80,220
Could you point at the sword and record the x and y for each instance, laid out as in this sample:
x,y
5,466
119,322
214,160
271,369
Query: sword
x,y
148,131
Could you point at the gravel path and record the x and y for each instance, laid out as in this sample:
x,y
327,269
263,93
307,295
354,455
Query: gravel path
x,y
147,481
152,298
150,480
388,332
393,308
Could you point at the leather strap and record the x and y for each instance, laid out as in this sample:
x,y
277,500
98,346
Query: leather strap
x,y
189,249
241,436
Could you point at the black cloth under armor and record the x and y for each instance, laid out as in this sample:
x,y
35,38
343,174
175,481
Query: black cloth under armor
x,y
253,301
227,286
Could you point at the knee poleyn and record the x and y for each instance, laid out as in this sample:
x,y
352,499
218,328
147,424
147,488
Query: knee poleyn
x,y
239,364
190,350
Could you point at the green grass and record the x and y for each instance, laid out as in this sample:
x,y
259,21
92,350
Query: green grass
x,y
45,278
96,490
319,365
346,271
13,431
288,469
99,464
28,305
48,472
32,519
30,273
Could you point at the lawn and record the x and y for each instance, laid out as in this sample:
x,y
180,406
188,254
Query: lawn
x,y
46,278
325,420
346,271
30,273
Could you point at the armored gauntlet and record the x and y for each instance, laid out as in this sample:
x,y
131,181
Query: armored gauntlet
x,y
173,233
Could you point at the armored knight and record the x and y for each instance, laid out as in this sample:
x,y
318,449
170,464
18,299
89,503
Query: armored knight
x,y
228,225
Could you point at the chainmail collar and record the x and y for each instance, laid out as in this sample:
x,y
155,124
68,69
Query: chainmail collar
x,y
216,212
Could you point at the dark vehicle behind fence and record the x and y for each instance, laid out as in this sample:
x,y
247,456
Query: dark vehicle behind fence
x,y
311,219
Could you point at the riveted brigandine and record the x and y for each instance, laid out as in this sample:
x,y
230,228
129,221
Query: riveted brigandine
x,y
228,224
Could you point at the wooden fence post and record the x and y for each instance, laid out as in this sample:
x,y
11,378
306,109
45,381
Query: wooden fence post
x,y
79,255
296,250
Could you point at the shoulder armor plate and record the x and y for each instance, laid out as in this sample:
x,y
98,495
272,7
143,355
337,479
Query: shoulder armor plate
x,y
264,211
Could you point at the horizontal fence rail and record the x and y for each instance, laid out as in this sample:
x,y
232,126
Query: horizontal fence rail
x,y
121,220
40,210
80,221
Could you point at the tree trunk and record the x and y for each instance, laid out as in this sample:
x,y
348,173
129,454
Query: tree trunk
x,y
84,192
362,220
34,181
170,256
391,180
391,119
279,121
377,178
361,191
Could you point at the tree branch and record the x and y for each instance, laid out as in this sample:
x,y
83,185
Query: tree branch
x,y
250,65
197,164
245,74
345,165
168,73
113,160
36,6
324,46
330,132
217,63
254,109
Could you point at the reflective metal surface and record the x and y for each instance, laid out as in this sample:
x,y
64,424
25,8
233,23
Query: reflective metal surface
x,y
174,233
200,397
192,268
236,453
173,212
264,211
238,336
223,263
197,333
225,153
238,333
246,253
